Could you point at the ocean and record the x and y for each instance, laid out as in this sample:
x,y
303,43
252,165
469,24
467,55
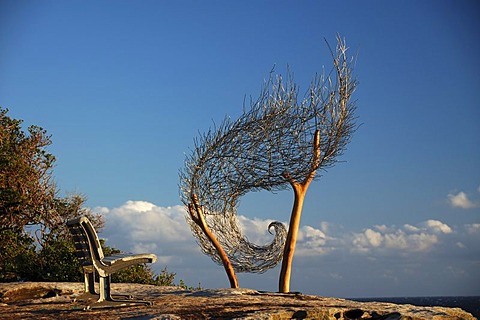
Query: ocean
x,y
470,304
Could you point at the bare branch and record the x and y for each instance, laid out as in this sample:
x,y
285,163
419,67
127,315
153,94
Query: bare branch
x,y
277,142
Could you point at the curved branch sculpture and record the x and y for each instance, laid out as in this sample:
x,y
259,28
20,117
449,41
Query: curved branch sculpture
x,y
277,143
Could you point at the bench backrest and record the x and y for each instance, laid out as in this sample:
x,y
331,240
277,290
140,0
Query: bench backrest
x,y
87,244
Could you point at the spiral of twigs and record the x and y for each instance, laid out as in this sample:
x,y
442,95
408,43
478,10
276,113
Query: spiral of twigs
x,y
267,147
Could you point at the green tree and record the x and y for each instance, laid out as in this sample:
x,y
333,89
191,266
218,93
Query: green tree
x,y
17,254
34,241
27,191
29,201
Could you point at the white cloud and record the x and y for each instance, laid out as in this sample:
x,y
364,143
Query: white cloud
x,y
396,240
375,238
368,238
141,221
311,241
473,228
410,228
461,200
437,226
139,226
382,228
256,230
138,206
325,226
408,238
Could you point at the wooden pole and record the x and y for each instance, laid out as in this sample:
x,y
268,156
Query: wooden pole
x,y
300,190
199,219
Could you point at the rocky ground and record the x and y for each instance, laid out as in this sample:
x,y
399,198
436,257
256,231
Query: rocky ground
x,y
56,300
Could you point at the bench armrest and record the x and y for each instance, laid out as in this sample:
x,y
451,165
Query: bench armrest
x,y
131,258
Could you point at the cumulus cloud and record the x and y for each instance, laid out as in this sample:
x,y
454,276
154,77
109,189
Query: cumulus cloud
x,y
419,238
367,239
142,221
256,230
436,226
410,228
139,226
310,240
461,200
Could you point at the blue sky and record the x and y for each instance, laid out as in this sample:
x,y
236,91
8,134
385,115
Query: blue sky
x,y
124,87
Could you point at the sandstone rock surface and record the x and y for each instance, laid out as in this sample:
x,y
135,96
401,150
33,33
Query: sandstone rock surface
x,y
57,300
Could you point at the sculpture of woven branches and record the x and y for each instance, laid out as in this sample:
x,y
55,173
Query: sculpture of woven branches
x,y
266,147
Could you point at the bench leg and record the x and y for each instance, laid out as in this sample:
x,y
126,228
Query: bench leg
x,y
90,282
89,289
106,300
88,286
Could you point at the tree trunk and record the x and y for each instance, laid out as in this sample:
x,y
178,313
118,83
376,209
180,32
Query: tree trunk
x,y
200,221
285,273
300,190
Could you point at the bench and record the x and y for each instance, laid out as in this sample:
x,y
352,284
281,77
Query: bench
x,y
90,255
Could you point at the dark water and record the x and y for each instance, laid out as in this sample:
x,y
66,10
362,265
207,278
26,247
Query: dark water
x,y
470,304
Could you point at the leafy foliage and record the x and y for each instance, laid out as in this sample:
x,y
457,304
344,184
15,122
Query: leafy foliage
x,y
27,191
29,201
17,254
56,261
